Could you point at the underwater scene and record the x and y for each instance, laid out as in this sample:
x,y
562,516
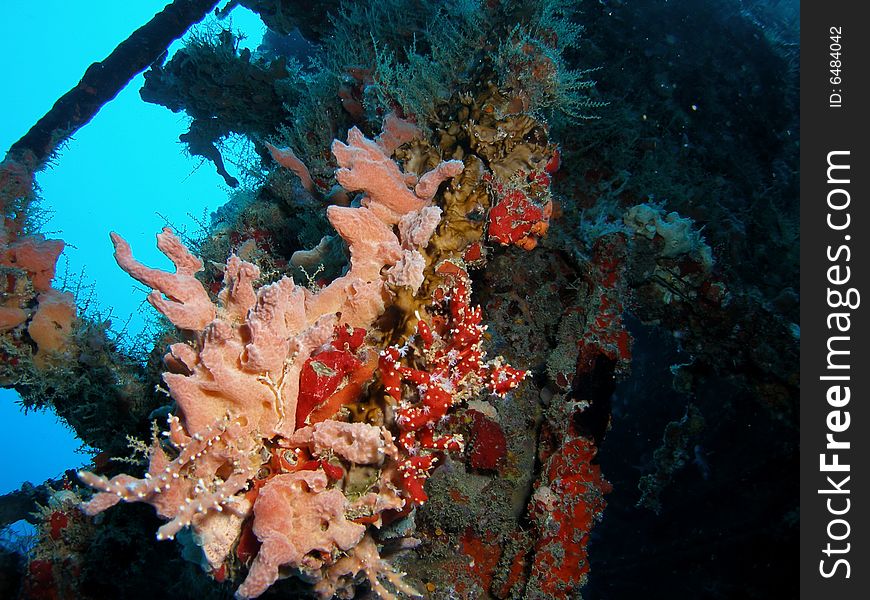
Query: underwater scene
x,y
453,299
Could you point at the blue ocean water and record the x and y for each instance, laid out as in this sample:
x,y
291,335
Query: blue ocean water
x,y
125,171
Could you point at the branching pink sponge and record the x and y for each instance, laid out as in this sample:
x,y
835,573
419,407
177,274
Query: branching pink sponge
x,y
232,463
365,166
179,296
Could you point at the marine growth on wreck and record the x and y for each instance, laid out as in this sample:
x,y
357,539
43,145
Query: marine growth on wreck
x,y
501,305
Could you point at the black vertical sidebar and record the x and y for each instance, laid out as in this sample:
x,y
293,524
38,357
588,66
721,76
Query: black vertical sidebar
x,y
835,268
